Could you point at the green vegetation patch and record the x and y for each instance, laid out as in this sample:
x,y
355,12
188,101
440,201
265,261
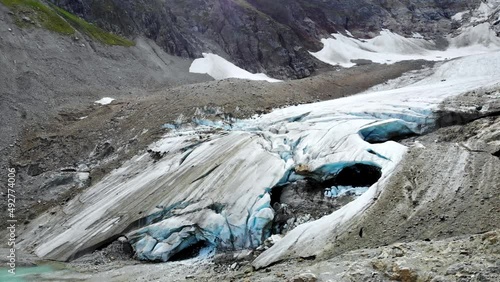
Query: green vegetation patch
x,y
38,13
33,12
92,30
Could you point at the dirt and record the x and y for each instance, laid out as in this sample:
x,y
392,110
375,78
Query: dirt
x,y
460,258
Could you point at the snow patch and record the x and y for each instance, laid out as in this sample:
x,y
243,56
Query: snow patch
x,y
105,101
219,68
485,11
459,16
480,37
417,35
387,48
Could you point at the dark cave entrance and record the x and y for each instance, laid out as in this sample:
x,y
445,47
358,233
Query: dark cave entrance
x,y
305,199
497,154
190,252
357,175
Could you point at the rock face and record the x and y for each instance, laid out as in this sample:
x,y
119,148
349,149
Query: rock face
x,y
265,36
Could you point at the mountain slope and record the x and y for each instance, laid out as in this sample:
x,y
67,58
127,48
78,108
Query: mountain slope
x,y
43,71
260,35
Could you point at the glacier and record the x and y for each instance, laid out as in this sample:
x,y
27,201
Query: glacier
x,y
199,186
476,36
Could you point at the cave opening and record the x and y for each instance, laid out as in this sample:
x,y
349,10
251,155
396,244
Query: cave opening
x,y
357,175
312,197
497,154
191,251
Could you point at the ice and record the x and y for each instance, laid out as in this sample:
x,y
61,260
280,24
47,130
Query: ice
x,y
480,36
327,170
104,101
186,191
145,245
260,226
385,130
169,126
214,124
339,191
275,238
219,68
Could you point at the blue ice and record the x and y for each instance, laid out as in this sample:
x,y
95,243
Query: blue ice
x,y
384,131
338,191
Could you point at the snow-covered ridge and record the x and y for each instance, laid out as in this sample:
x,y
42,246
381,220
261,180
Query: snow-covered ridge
x,y
219,68
475,37
215,188
486,11
389,48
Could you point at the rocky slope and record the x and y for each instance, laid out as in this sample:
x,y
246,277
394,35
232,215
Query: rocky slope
x,y
265,36
43,71
461,258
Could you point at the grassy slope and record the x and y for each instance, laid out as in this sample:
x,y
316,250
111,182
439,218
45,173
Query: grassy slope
x,y
58,20
92,30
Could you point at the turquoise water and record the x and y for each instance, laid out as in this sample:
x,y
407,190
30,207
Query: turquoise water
x,y
23,273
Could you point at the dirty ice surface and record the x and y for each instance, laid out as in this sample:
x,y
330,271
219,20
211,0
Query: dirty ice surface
x,y
211,189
